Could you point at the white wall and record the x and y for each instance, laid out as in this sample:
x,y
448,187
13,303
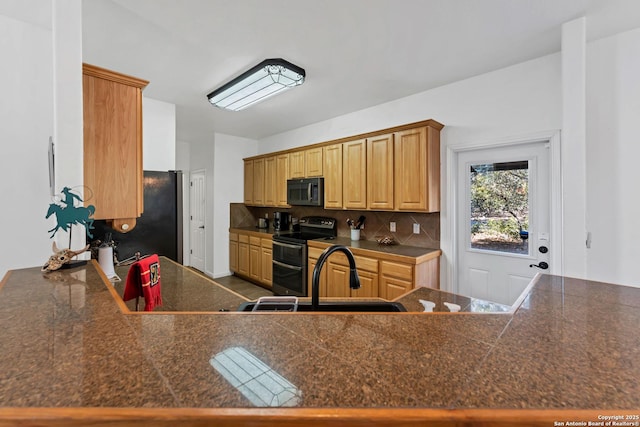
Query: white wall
x,y
573,153
221,159
42,97
613,151
228,188
518,100
26,108
38,51
201,157
183,161
67,110
511,101
158,135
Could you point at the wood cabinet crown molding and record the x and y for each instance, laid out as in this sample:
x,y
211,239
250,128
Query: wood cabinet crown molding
x,y
114,76
429,123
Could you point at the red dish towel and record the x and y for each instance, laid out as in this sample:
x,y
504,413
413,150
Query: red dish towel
x,y
144,276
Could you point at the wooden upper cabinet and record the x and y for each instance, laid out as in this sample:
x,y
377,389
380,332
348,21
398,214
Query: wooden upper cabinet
x,y
270,181
417,170
333,176
380,172
397,169
354,167
248,182
296,164
282,175
258,182
265,181
112,114
313,162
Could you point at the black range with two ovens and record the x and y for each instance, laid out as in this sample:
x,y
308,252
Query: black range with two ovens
x,y
290,254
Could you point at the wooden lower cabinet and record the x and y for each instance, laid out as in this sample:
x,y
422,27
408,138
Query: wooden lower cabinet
x,y
368,285
250,257
337,280
312,258
379,277
255,253
233,252
393,287
396,279
243,255
334,277
266,265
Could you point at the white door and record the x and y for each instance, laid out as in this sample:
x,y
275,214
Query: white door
x,y
197,219
502,220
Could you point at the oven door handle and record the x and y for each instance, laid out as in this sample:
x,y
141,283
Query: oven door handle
x,y
298,247
290,267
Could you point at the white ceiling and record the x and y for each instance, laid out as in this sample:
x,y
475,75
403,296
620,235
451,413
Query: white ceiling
x,y
356,53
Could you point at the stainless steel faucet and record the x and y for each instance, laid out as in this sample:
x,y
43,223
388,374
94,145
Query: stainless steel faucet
x,y
354,280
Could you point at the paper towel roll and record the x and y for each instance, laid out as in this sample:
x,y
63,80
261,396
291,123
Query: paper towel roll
x,y
105,259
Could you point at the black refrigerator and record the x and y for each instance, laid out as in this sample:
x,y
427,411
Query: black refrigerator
x,y
159,228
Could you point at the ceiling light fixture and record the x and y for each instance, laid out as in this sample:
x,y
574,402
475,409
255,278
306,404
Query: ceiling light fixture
x,y
266,79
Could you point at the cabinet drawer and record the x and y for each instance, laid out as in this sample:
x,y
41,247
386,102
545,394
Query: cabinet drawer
x,y
243,238
362,263
314,253
233,237
266,243
255,241
367,264
394,269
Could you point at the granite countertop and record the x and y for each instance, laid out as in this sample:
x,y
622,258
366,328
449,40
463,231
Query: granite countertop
x,y
185,290
67,343
412,302
408,253
259,231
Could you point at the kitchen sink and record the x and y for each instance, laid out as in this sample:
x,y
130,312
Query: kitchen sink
x,y
346,306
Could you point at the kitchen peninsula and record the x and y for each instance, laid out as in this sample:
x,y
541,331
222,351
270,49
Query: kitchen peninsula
x,y
71,356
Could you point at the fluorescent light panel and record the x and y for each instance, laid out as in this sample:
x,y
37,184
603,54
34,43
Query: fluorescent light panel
x,y
266,79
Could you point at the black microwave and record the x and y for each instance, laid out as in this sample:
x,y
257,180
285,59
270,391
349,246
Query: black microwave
x,y
305,192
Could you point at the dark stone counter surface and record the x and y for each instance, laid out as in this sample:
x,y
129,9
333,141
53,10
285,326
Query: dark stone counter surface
x,y
67,343
410,253
413,254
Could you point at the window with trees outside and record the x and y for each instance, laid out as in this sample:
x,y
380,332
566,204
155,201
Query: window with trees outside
x,y
500,207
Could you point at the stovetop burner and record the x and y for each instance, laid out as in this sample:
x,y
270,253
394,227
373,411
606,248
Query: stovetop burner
x,y
311,227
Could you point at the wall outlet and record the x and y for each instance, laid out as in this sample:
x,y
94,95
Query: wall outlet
x,y
392,226
416,228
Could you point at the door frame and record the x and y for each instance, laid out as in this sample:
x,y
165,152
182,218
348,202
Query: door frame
x,y
202,172
449,219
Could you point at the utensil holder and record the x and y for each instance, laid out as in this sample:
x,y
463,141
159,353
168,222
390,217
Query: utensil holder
x,y
355,234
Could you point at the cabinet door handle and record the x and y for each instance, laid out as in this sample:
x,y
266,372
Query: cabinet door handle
x,y
297,247
290,267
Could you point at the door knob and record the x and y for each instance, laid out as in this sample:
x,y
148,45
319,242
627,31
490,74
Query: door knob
x,y
202,226
543,265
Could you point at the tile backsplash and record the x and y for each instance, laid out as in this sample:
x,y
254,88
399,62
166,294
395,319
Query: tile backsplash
x,y
376,222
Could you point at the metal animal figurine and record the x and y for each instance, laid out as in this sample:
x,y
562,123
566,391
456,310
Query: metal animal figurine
x,y
60,257
68,215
